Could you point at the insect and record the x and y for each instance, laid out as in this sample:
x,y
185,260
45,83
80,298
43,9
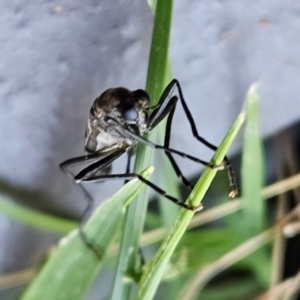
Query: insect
x,y
119,120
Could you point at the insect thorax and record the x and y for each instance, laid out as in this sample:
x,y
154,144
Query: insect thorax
x,y
122,106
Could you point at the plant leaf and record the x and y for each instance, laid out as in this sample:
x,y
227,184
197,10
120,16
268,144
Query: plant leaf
x,y
155,268
73,266
135,215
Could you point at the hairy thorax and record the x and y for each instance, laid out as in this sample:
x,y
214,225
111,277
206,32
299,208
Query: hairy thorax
x,y
114,103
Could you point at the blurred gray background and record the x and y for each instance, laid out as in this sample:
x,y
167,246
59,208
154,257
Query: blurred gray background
x,y
57,57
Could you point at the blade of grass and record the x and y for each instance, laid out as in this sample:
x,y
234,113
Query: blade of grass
x,y
152,5
254,210
252,170
222,210
155,268
135,216
168,180
52,223
72,267
168,210
187,258
252,183
194,285
35,218
15,279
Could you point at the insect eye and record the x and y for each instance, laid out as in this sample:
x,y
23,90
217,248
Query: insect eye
x,y
130,114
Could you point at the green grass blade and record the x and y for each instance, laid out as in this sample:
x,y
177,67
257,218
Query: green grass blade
x,y
200,279
72,267
135,216
254,208
168,210
35,218
152,5
155,268
238,226
252,169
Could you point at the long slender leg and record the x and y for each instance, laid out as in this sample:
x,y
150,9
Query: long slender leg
x,y
97,178
86,213
85,159
129,156
233,187
100,164
131,134
167,105
177,170
93,168
128,163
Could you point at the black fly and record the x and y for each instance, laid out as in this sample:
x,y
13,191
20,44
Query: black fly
x,y
119,119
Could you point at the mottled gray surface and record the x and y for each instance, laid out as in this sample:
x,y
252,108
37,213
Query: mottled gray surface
x,y
57,57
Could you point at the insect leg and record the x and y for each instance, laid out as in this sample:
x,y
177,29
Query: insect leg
x,y
175,166
231,177
166,106
131,134
86,213
128,164
128,176
100,163
88,171
85,159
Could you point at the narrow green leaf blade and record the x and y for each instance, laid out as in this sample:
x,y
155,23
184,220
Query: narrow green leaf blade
x,y
254,208
155,268
35,218
135,215
72,267
252,169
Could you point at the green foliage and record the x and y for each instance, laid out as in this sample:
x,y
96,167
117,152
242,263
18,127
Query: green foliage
x,y
135,216
252,170
73,266
155,268
35,218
